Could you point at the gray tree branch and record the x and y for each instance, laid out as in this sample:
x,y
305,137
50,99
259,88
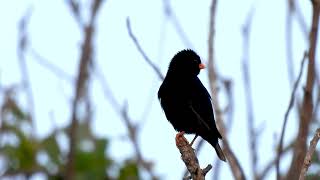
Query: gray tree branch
x,y
137,44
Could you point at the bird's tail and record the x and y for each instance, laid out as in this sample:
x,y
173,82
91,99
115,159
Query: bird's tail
x,y
220,152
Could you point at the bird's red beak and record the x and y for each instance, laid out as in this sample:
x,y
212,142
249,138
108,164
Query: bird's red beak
x,y
202,66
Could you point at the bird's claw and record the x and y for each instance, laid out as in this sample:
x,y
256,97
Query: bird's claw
x,y
180,139
179,134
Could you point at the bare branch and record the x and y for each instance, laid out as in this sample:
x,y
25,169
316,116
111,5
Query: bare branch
x,y
291,103
51,66
197,149
248,92
307,105
75,9
147,59
233,161
80,93
81,87
176,23
21,50
95,6
131,127
288,35
301,21
229,120
190,159
307,159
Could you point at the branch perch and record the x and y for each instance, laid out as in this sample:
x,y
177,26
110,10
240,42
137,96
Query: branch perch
x,y
190,159
307,159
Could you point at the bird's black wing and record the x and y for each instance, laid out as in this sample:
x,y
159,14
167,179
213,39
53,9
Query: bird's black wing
x,y
199,118
202,106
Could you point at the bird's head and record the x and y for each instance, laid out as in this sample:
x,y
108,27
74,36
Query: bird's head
x,y
185,63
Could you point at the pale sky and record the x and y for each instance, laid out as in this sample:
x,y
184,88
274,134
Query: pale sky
x,y
54,33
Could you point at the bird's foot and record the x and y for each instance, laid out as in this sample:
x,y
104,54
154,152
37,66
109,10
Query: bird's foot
x,y
179,134
180,138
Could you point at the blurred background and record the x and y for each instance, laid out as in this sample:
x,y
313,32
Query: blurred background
x,y
79,82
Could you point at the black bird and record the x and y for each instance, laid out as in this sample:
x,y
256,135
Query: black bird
x,y
186,102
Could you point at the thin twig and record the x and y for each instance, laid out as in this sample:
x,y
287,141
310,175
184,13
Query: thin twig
x,y
176,23
76,9
284,125
131,128
307,159
21,50
147,59
51,66
307,105
300,19
316,106
288,34
248,91
133,134
229,120
291,10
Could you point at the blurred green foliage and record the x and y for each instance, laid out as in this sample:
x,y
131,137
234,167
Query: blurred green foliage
x,y
129,171
25,154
